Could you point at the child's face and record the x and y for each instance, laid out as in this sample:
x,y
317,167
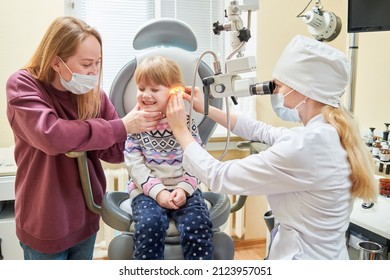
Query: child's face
x,y
152,98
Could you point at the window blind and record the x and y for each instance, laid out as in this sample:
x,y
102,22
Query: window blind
x,y
117,22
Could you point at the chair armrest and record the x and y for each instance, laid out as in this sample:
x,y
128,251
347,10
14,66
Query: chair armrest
x,y
238,204
254,147
112,214
220,210
85,181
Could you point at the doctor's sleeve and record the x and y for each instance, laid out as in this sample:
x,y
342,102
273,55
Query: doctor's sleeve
x,y
255,130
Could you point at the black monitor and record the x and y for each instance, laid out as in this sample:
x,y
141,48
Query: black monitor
x,y
368,15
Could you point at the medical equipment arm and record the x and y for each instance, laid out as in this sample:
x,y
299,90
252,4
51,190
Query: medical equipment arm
x,y
85,181
323,25
231,83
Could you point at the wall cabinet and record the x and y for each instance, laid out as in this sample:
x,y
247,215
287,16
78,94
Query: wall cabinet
x,y
9,243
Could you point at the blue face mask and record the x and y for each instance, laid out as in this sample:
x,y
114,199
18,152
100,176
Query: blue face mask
x,y
286,114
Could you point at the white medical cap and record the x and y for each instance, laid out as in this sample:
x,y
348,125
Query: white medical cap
x,y
313,68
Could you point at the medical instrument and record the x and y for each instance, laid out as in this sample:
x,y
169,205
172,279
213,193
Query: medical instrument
x,y
323,25
370,138
231,83
177,90
379,148
235,82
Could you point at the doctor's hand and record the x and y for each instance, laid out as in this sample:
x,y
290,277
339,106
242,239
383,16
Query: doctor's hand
x,y
137,121
198,99
164,199
177,119
176,113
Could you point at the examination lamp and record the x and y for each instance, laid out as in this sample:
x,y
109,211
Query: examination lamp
x,y
323,25
177,90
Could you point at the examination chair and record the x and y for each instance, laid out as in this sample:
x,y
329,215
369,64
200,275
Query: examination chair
x,y
176,40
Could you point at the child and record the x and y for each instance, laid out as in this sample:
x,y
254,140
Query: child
x,y
159,186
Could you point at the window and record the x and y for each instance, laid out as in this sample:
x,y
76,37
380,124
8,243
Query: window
x,y
117,22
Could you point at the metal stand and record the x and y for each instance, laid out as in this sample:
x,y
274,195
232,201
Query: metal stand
x,y
353,48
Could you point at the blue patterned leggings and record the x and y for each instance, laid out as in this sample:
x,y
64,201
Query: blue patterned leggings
x,y
152,221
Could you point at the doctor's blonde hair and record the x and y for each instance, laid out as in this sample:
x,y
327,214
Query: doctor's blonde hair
x,y
62,39
361,163
159,70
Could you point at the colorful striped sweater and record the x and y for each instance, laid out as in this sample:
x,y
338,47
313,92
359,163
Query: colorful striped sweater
x,y
154,161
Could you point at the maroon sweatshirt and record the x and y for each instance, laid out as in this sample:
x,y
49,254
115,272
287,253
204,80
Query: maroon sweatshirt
x,y
50,211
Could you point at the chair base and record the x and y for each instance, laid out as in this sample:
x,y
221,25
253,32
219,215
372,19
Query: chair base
x,y
122,248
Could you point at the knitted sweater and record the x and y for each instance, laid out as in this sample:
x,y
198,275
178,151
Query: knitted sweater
x,y
154,161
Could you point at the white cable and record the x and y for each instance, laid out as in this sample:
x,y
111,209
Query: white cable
x,y
226,99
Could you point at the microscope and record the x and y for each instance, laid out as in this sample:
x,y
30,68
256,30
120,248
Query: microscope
x,y
231,83
323,25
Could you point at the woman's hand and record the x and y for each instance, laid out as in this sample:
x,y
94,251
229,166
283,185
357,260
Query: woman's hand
x,y
137,121
198,99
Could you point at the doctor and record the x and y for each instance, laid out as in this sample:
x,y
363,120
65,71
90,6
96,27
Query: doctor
x,y
311,173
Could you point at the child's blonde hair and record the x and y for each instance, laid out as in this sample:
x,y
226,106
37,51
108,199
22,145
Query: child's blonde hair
x,y
159,70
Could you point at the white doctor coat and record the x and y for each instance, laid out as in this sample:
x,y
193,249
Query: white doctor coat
x,y
305,176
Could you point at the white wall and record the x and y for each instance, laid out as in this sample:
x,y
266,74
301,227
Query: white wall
x,y
22,25
372,106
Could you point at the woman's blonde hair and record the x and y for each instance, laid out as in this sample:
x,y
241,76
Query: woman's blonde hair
x,y
362,164
160,71
62,39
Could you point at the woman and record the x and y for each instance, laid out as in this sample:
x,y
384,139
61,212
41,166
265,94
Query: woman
x,y
310,174
55,105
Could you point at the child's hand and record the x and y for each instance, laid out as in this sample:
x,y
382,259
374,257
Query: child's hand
x,y
178,197
164,200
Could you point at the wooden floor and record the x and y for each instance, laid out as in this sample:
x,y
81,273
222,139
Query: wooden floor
x,y
250,249
243,250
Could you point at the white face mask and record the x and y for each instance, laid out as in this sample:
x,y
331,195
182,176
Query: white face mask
x,y
286,114
79,84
